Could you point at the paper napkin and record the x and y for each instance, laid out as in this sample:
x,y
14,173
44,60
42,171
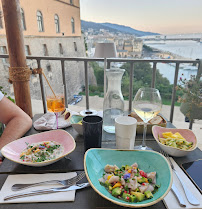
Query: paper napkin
x,y
33,178
48,121
170,200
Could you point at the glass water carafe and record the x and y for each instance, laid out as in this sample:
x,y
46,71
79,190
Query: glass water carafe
x,y
113,101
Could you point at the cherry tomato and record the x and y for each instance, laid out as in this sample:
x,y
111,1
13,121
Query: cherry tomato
x,y
143,174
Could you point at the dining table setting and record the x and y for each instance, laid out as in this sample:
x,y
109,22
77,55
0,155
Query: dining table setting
x,y
67,160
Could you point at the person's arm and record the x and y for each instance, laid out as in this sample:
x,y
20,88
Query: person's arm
x,y
17,121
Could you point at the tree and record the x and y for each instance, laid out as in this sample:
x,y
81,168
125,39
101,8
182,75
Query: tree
x,y
99,73
143,78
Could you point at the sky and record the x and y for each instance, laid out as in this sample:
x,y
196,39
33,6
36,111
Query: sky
x,y
160,16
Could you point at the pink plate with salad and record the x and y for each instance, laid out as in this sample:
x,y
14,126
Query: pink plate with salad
x,y
40,149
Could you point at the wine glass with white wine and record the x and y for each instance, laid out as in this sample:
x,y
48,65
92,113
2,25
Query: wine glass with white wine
x,y
147,104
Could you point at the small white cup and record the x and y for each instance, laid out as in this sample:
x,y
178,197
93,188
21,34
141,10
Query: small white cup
x,y
125,129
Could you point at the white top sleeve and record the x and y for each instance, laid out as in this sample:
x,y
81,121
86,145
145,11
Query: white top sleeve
x,y
1,95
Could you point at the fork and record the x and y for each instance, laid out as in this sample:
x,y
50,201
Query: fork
x,y
190,197
46,191
67,182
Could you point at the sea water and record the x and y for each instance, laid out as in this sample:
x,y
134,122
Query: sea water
x,y
186,49
109,116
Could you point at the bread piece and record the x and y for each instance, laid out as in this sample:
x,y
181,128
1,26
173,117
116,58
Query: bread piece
x,y
134,115
156,120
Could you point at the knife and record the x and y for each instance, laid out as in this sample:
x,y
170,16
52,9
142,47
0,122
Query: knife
x,y
46,191
178,196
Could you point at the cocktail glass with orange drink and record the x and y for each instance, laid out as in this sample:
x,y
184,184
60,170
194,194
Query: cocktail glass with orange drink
x,y
55,104
55,100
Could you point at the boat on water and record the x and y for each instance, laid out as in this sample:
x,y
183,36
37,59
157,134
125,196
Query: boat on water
x,y
190,67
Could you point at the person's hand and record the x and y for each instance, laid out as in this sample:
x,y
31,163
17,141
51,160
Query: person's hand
x,y
16,120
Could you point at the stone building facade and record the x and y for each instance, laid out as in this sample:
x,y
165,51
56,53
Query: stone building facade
x,y
51,28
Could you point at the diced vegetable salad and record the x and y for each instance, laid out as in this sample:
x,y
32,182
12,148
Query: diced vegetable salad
x,y
129,182
175,140
42,151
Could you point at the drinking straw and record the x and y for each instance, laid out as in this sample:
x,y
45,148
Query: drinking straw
x,y
56,119
56,114
49,84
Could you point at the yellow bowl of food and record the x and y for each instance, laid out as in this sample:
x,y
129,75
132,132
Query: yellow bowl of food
x,y
175,142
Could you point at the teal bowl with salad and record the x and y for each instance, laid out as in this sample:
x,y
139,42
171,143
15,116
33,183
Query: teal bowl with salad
x,y
130,178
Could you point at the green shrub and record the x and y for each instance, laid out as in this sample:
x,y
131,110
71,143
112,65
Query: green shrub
x,y
142,78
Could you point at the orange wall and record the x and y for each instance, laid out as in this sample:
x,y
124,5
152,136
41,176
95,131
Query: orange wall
x,y
49,8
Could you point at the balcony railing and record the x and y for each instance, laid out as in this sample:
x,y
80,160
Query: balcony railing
x,y
62,60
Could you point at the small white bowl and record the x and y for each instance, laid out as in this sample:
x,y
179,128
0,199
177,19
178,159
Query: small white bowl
x,y
176,152
75,121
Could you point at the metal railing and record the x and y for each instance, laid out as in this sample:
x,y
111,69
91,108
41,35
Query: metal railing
x,y
62,60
